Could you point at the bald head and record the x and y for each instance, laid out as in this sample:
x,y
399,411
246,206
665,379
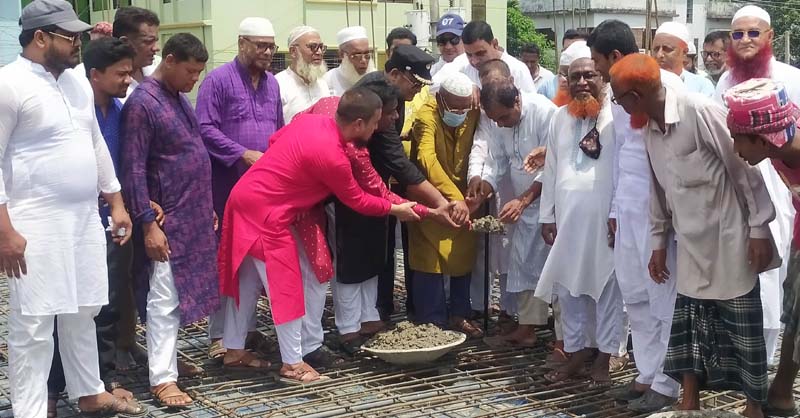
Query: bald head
x,y
494,69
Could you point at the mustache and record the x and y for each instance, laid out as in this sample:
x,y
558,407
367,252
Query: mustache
x,y
755,67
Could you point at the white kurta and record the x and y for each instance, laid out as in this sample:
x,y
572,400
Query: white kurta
x,y
545,76
576,196
782,227
297,95
337,83
508,148
54,162
520,72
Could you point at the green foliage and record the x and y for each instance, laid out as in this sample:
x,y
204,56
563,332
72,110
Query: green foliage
x,y
785,19
521,31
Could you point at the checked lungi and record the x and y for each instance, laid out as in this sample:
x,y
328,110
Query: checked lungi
x,y
721,342
791,304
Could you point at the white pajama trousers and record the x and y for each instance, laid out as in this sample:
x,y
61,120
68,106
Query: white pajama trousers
x,y
585,321
354,304
30,353
163,323
650,336
216,321
296,338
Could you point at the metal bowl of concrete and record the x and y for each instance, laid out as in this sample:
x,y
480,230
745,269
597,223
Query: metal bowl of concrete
x,y
417,355
695,414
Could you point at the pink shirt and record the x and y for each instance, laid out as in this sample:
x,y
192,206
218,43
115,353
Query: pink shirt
x,y
791,176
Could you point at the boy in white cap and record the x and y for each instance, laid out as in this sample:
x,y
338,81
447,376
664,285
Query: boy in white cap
x,y
750,56
57,269
303,83
671,49
356,56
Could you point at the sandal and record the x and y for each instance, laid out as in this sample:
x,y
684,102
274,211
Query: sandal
x,y
618,363
560,375
352,346
259,343
465,326
170,390
301,374
118,408
216,350
186,369
52,404
323,357
247,362
556,359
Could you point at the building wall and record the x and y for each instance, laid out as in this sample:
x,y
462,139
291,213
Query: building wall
x,y
9,30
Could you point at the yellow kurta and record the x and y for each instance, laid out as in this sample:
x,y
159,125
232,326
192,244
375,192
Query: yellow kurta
x,y
412,108
442,153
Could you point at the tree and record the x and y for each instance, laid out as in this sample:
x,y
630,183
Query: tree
x,y
520,31
785,20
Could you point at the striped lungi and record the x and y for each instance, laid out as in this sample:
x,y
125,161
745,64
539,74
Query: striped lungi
x,y
791,304
721,342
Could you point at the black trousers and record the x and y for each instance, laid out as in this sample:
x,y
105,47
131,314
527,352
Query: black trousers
x,y
385,302
119,276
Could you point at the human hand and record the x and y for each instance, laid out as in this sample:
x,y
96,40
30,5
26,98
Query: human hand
x,y
250,157
535,160
441,215
549,232
512,210
658,266
459,212
759,253
159,212
404,212
478,188
612,232
121,222
155,243
12,254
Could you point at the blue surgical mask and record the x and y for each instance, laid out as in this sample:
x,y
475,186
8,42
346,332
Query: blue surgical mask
x,y
453,120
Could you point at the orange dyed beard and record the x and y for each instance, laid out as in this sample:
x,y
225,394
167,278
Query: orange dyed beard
x,y
639,120
562,98
584,108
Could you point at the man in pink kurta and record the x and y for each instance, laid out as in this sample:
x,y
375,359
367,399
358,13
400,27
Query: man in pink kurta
x,y
305,164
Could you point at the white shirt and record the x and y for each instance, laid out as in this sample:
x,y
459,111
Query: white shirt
x,y
508,148
576,196
520,72
54,163
545,76
336,82
146,72
296,95
441,63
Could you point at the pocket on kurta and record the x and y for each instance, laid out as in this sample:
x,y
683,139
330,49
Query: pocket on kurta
x,y
691,170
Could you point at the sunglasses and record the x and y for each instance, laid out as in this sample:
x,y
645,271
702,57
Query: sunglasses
x,y
262,46
452,40
71,39
739,34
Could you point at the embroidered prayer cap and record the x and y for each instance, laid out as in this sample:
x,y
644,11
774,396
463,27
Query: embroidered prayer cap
x,y
752,11
761,106
298,32
577,50
351,34
103,28
677,30
41,13
458,84
412,59
256,26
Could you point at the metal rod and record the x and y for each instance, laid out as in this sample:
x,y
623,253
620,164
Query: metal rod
x,y
487,285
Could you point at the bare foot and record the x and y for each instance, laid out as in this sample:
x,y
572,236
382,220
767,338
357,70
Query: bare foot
x,y
753,410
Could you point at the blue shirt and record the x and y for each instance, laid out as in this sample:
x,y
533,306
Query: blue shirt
x,y
698,84
549,88
109,127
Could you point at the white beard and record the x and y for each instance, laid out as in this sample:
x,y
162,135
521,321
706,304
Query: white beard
x,y
349,73
310,72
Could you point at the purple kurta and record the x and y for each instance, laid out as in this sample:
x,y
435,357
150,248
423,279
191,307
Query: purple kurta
x,y
234,117
163,159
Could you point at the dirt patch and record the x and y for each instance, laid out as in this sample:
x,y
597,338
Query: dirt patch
x,y
407,336
488,225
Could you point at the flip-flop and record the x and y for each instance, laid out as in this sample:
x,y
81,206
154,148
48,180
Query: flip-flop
x,y
119,408
216,350
771,411
554,364
296,376
167,390
245,364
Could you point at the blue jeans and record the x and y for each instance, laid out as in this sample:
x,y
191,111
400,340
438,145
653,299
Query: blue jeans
x,y
430,305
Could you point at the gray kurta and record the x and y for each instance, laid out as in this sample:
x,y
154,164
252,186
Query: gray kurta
x,y
711,197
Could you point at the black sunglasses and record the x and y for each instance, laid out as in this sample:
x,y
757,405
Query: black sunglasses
x,y
453,40
739,34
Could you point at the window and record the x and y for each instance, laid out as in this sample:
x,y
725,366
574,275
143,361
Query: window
x,y
689,11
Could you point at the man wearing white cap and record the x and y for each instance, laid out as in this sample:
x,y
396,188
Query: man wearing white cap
x,y
238,109
750,56
356,56
54,163
671,48
576,197
303,83
518,126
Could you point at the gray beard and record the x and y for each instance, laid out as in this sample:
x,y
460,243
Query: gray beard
x,y
310,72
348,71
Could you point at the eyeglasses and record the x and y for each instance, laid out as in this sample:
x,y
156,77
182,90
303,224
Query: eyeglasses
x,y
453,40
317,47
413,80
586,75
262,46
449,109
72,39
361,56
713,54
616,99
739,34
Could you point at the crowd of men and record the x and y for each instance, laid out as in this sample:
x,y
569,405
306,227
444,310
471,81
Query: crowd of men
x,y
642,198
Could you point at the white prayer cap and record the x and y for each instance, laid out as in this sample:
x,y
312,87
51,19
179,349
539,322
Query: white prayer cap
x,y
752,11
577,50
677,30
298,32
692,49
350,34
256,26
458,84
